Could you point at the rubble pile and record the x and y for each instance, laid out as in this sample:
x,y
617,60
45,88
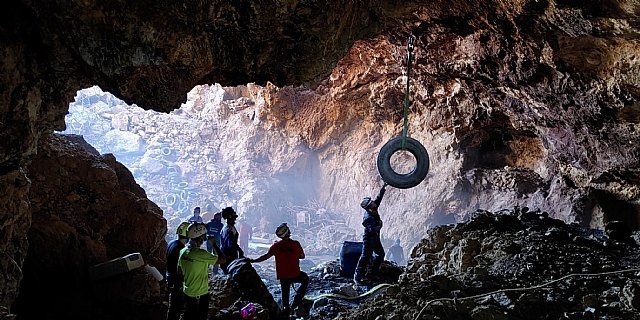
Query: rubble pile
x,y
230,293
169,154
326,278
513,264
320,231
201,155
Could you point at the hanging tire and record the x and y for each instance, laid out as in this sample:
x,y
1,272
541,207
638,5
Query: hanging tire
x,y
398,180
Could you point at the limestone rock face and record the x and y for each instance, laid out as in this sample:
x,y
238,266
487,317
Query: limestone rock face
x,y
507,117
87,209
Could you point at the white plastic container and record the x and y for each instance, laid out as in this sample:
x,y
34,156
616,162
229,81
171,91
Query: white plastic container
x,y
154,272
116,266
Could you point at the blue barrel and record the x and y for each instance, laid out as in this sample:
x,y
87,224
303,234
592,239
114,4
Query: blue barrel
x,y
349,256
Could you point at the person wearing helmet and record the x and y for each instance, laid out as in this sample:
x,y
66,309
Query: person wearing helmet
x,y
194,263
288,253
229,238
396,253
174,279
370,239
196,216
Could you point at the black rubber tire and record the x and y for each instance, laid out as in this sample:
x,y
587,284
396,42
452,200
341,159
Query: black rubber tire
x,y
397,180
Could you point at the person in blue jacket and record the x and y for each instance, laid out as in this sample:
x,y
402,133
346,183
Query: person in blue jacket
x,y
370,240
229,238
214,229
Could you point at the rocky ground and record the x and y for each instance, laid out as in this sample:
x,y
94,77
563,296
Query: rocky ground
x,y
329,291
512,264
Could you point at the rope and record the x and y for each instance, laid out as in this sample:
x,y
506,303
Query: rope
x,y
405,127
523,289
342,296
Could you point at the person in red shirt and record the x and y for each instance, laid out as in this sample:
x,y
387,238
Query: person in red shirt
x,y
288,253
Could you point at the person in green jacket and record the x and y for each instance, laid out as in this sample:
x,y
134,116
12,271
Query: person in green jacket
x,y
194,263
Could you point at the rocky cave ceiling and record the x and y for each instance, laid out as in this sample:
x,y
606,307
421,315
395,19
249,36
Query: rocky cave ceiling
x,y
525,102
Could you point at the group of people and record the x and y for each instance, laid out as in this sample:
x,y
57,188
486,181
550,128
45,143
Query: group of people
x,y
188,264
214,229
188,272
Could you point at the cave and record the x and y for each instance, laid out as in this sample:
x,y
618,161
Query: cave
x,y
520,104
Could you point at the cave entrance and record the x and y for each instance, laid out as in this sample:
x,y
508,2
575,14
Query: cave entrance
x,y
212,152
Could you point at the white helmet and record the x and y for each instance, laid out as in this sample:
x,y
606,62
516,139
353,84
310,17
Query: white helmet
x,y
196,230
282,231
366,202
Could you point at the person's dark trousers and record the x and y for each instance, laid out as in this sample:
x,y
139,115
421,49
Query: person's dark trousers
x,y
176,302
210,249
230,258
370,245
196,308
285,285
225,266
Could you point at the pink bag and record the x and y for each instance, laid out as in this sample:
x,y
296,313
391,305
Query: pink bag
x,y
248,311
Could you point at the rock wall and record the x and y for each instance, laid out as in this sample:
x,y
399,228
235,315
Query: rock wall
x,y
87,209
504,124
508,117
